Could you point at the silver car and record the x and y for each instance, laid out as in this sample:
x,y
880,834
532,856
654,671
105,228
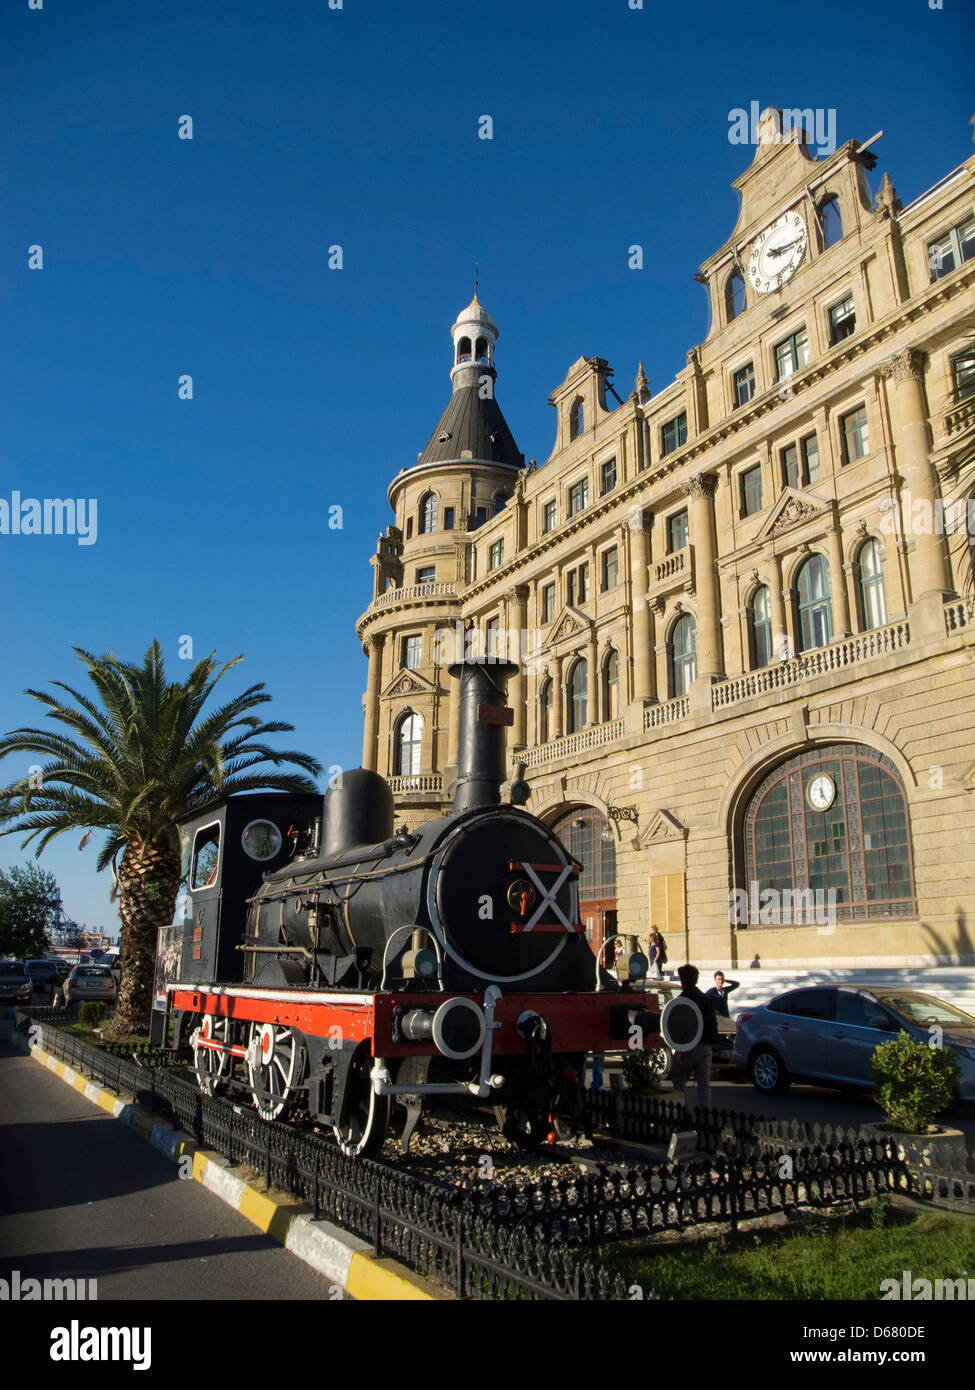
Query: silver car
x,y
89,982
827,1035
16,986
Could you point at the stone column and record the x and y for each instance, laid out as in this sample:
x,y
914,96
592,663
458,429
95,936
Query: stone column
x,y
781,644
370,741
837,582
592,694
557,699
700,494
643,681
517,601
929,569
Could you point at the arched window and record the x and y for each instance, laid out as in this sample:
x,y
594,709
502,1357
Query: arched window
x,y
829,213
578,697
828,832
734,296
499,502
577,419
589,837
683,655
463,349
428,513
481,351
815,625
409,740
870,583
611,685
761,628
545,711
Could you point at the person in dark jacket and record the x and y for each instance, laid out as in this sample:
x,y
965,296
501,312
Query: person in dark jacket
x,y
698,1059
719,992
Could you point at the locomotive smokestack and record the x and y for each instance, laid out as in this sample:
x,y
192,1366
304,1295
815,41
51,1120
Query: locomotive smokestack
x,y
483,717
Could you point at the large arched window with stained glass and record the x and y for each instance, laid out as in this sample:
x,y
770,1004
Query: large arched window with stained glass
x,y
827,839
815,626
409,743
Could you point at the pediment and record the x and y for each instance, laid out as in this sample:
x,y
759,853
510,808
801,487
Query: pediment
x,y
792,509
568,622
409,683
663,826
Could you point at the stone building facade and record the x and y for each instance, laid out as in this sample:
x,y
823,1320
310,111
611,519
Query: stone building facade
x,y
741,602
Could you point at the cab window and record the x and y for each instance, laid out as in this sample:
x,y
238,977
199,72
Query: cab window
x,y
206,857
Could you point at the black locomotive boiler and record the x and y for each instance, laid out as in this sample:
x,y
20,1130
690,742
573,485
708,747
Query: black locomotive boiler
x,y
377,964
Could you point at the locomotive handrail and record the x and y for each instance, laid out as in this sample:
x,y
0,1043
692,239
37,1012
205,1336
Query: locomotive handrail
x,y
411,927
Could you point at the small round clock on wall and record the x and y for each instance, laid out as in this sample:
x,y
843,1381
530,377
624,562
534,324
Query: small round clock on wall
x,y
821,792
777,253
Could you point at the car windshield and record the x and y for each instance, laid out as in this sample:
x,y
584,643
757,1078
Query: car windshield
x,y
924,1010
86,971
12,967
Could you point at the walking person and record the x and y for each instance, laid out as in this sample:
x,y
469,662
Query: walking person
x,y
719,991
657,953
698,1059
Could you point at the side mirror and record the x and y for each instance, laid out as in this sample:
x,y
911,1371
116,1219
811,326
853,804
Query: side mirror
x,y
882,1022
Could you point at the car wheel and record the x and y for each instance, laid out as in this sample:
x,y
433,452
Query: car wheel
x,y
769,1075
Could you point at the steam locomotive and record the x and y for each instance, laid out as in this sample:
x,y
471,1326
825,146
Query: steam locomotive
x,y
332,964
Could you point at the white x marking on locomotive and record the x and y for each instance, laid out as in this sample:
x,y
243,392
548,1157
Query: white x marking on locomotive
x,y
548,897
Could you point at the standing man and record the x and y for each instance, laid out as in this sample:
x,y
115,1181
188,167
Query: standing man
x,y
698,1060
718,994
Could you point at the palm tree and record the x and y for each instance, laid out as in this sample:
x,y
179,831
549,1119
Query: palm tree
x,y
147,758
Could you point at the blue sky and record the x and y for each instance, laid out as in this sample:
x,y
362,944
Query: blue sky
x,y
313,387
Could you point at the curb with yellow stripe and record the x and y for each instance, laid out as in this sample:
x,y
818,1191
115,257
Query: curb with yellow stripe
x,y
342,1258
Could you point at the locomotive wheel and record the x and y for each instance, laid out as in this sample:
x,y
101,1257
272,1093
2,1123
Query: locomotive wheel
x,y
212,1068
362,1126
275,1067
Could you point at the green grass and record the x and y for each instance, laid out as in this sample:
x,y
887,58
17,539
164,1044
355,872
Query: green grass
x,y
819,1259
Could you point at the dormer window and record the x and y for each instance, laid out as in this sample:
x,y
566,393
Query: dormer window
x,y
577,418
735,300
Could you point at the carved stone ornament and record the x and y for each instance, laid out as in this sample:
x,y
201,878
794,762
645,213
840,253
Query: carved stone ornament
x,y
904,366
793,512
861,529
406,685
701,485
753,576
566,627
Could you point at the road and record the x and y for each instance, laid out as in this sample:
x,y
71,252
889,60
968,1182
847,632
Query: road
x,y
82,1196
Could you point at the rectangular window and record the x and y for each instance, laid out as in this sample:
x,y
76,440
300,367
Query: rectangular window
x,y
579,496
448,518
790,467
578,585
480,516
751,491
583,583
676,532
571,585
673,434
549,516
963,375
409,527
856,436
426,574
412,652
952,249
548,603
495,555
842,321
744,381
792,354
493,624
810,455
607,476
611,568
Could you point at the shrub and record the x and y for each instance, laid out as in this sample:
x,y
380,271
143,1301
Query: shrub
x,y
912,1082
92,1013
641,1070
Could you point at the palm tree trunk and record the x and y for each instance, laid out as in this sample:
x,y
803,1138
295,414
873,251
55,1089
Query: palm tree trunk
x,y
148,879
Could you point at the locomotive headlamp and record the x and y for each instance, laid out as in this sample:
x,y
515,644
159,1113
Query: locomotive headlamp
x,y
425,963
638,965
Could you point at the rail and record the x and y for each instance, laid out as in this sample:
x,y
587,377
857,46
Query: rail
x,y
413,591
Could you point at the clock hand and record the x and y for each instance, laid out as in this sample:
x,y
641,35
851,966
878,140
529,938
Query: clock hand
x,y
781,250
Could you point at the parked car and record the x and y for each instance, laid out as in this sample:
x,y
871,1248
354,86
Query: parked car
x,y
723,1051
827,1035
47,975
89,982
15,983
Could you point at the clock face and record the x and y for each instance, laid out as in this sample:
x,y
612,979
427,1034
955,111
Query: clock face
x,y
776,253
821,792
261,839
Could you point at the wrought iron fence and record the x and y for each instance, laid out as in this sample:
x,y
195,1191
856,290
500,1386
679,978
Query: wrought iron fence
x,y
500,1241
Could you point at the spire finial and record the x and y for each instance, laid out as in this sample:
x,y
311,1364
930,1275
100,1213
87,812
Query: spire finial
x,y
475,279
